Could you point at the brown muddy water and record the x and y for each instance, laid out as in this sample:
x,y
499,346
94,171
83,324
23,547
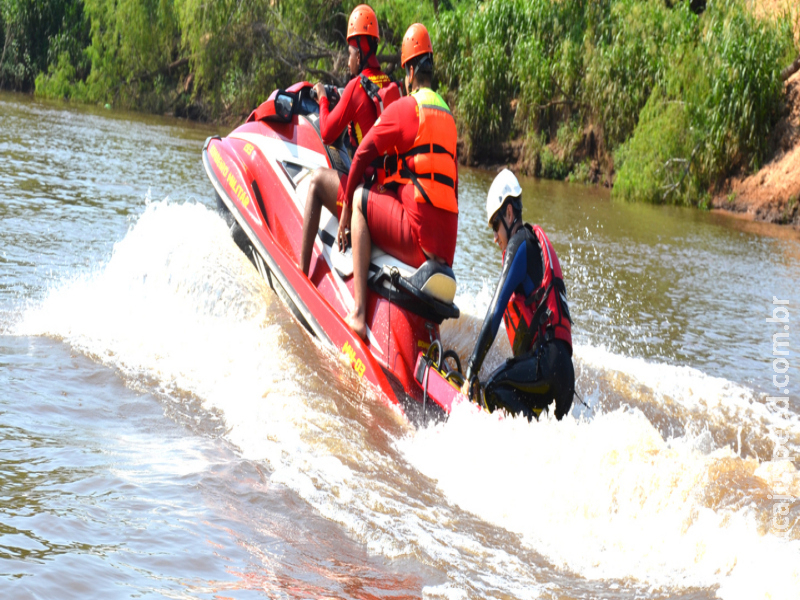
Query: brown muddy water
x,y
167,430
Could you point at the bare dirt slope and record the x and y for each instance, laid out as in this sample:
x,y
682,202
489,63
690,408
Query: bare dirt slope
x,y
773,193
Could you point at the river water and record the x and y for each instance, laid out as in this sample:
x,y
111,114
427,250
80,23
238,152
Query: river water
x,y
168,430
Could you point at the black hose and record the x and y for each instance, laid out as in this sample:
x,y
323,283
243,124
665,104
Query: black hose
x,y
452,354
455,376
429,356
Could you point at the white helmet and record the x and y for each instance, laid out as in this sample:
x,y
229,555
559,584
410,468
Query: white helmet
x,y
505,185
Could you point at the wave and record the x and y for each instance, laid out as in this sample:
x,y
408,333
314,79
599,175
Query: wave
x,y
655,477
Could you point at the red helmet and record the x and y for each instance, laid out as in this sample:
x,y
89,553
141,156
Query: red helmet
x,y
362,22
415,42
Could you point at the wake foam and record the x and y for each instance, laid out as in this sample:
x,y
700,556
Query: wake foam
x,y
657,478
179,308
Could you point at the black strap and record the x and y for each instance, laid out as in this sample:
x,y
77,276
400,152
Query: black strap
x,y
364,58
372,90
389,164
415,180
370,87
364,201
438,177
427,149
396,163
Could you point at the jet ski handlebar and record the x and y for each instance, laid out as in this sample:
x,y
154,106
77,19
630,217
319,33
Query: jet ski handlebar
x,y
334,94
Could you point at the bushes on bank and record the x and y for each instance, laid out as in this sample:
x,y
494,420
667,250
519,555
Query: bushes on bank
x,y
34,34
204,59
511,50
679,99
713,113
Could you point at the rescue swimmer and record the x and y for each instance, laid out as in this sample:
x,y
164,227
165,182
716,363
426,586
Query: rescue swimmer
x,y
359,107
532,301
413,214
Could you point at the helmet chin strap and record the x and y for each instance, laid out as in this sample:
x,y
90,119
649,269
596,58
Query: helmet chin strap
x,y
507,228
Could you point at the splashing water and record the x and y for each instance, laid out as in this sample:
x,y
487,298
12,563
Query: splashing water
x,y
623,489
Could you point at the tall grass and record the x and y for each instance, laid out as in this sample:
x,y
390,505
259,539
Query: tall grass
x,y
713,113
679,99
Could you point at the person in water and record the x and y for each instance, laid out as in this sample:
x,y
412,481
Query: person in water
x,y
532,301
413,214
356,111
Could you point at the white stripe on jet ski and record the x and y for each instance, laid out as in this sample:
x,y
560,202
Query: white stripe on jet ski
x,y
280,150
277,151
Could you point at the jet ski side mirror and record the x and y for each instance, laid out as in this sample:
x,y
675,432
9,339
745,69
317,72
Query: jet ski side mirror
x,y
279,107
284,106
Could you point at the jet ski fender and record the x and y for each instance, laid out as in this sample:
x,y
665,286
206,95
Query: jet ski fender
x,y
226,170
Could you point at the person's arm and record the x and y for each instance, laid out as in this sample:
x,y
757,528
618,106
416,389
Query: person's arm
x,y
515,268
333,123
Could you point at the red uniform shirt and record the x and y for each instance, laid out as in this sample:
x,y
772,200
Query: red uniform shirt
x,y
394,133
354,106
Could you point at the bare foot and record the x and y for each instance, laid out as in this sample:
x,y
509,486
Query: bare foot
x,y
357,325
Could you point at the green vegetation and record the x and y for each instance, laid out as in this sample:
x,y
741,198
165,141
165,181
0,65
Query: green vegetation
x,y
670,96
34,34
678,99
713,112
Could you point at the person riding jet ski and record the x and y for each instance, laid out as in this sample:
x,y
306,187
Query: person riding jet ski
x,y
413,214
360,105
532,301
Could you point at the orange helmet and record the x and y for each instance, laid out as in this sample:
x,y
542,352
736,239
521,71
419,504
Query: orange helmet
x,y
415,42
362,22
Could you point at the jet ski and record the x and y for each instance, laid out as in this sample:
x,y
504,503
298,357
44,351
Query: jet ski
x,y
261,172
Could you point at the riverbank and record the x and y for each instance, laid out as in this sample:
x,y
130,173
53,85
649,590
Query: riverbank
x,y
772,194
662,102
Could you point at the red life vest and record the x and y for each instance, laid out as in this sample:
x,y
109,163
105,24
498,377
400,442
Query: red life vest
x,y
382,91
430,164
544,314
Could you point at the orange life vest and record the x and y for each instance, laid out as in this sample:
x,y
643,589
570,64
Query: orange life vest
x,y
544,314
430,164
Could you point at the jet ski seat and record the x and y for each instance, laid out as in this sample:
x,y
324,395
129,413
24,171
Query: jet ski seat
x,y
428,291
435,279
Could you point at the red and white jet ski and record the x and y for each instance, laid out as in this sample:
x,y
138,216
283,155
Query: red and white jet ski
x,y
261,172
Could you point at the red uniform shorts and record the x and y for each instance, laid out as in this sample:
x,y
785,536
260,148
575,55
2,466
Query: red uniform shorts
x,y
389,225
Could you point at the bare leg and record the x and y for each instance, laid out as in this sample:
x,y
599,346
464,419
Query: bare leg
x,y
321,192
362,248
